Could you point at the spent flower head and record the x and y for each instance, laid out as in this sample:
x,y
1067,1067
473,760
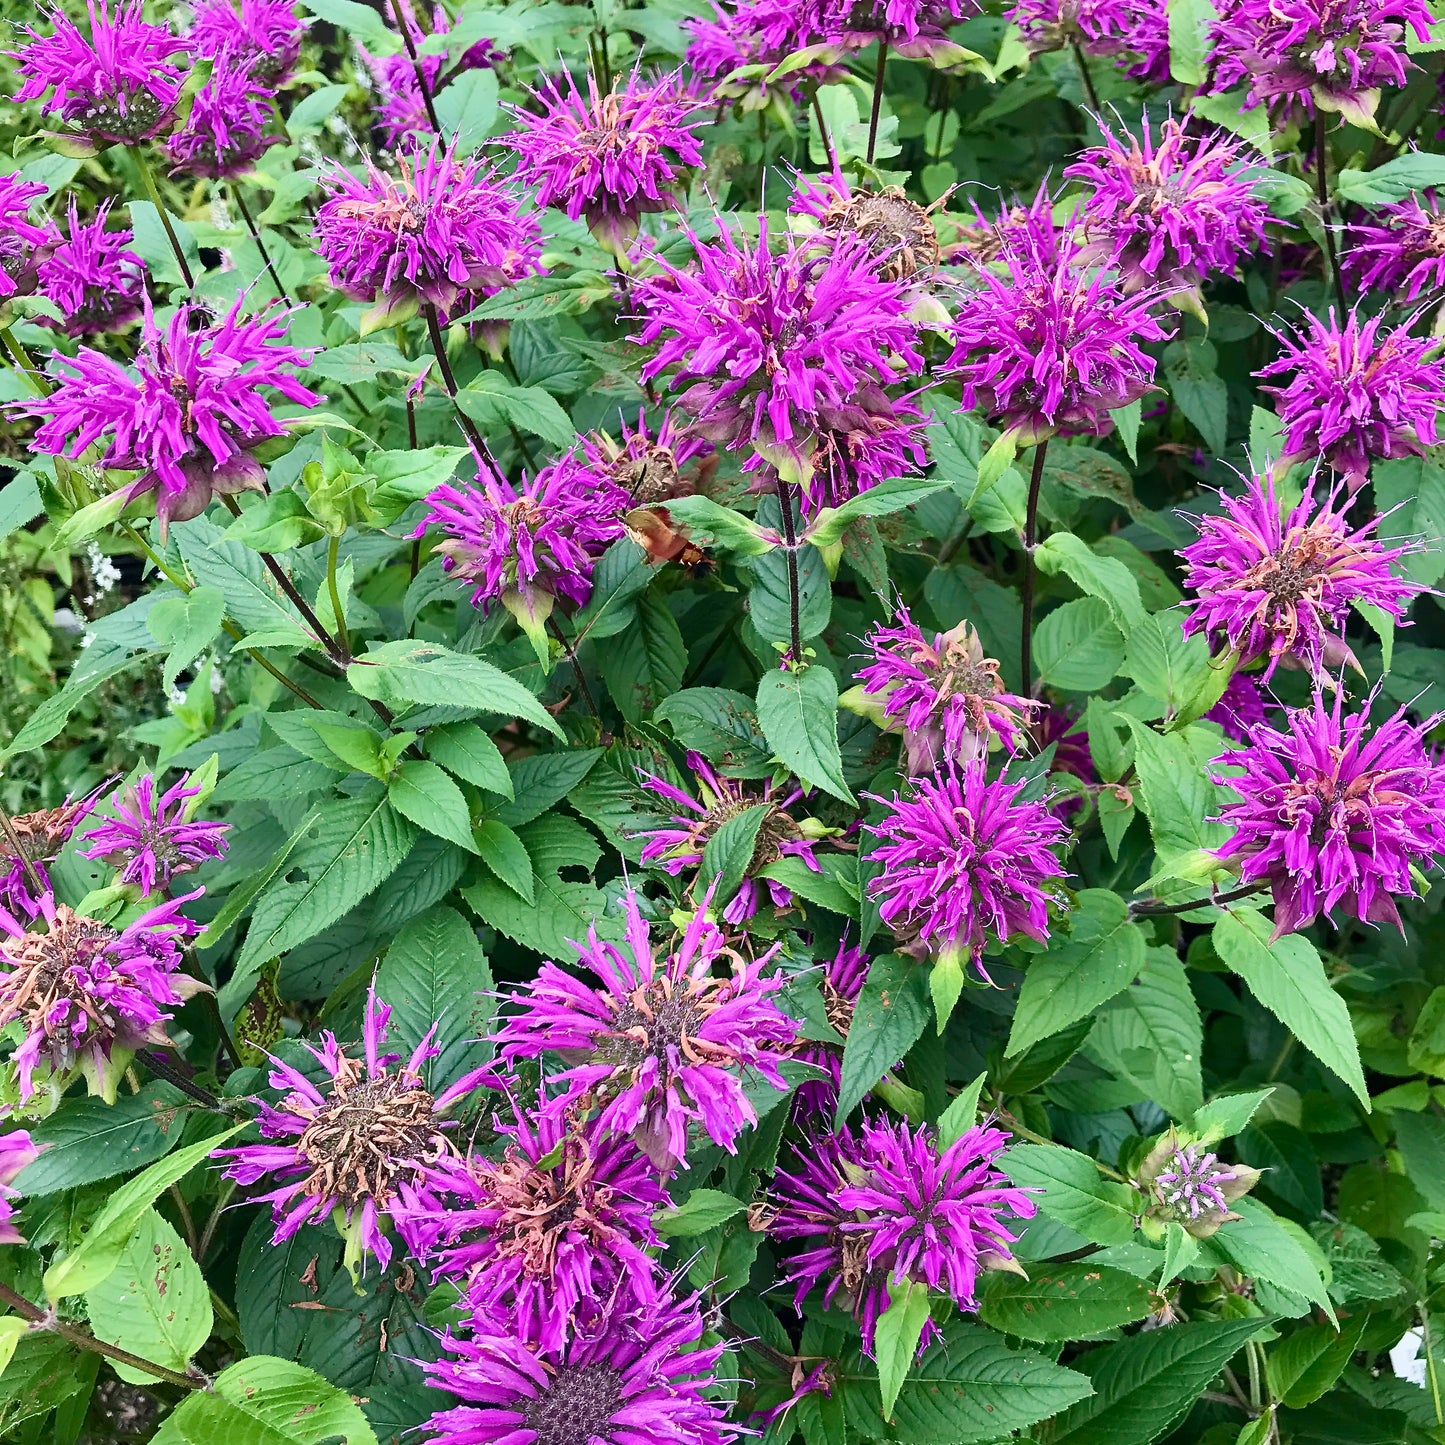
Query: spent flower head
x,y
153,839
91,276
41,836
660,1040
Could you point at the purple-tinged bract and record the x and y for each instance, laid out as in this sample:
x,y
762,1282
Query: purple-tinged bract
x,y
1400,250
371,1141
1050,346
440,229
119,86
635,1378
772,349
891,1206
944,695
152,839
86,995
609,157
91,276
1172,210
20,237
681,844
223,136
264,33
661,1040
756,35
551,1231
1333,812
966,861
16,1153
1281,586
1356,393
188,412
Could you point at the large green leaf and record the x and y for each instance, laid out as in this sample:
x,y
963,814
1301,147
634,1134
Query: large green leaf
x,y
1103,577
1176,792
1263,1246
1072,1191
645,662
422,791
1063,1301
891,1014
1078,647
798,712
720,724
896,1337
253,600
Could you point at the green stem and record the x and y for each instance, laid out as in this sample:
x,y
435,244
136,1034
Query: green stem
x,y
1158,910
877,98
1322,190
33,879
1031,528
1087,77
154,193
34,377
790,550
333,550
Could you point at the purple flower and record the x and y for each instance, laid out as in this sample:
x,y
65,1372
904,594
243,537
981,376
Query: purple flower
x,y
373,1145
841,984
965,860
610,158
1189,1186
91,275
1170,212
153,839
681,845
1104,29
265,33
1403,250
915,29
1355,395
1333,813
16,1152
774,349
1192,1183
757,35
20,238
443,227
223,134
551,1232
892,1206
86,995
945,696
649,469
188,413
118,87
527,547
1239,709
856,447
1333,55
633,1379
661,1041
1282,587
1050,346
42,835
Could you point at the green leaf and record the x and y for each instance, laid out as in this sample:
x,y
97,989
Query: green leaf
x,y
53,714
712,525
542,780
1189,22
962,1114
1103,953
156,1304
1200,394
405,477
1106,578
1226,1116
1287,976
12,1330
1263,1246
436,973
19,503
424,793
1126,424
720,724
618,577
151,241
1063,1301
646,662
467,108
253,601
728,853
1421,1140
823,888
896,1337
1164,662
262,1400
351,850
992,465
1410,494
358,21
702,1210
424,674
240,897
1073,1193
43,1371
1304,1365
798,712
85,1140
1181,1249
1143,1384
309,115
1393,181
1175,791
888,496
769,598
1078,647
466,750
889,1018
491,400
506,855
100,1252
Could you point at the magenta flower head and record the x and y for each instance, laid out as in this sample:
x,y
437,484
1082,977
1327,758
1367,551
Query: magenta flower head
x,y
154,839
753,38
117,87
86,995
943,695
1332,813
637,1377
551,1232
529,546
1103,29
681,844
773,348
1331,55
1172,211
16,1153
892,1206
1401,251
367,1143
20,238
187,414
1052,347
611,158
649,469
1355,395
661,1040
41,836
91,276
1281,587
223,136
1240,709
266,34
965,860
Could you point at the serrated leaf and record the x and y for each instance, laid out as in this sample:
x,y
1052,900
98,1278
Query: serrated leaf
x,y
896,1337
892,495
1103,577
423,792
889,1018
728,853
1072,1191
1224,1117
798,712
491,400
253,601
702,1210
720,724
466,750
19,503
1063,1301
1078,647
506,855
186,625
1176,792
1262,1246
962,1113
646,661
